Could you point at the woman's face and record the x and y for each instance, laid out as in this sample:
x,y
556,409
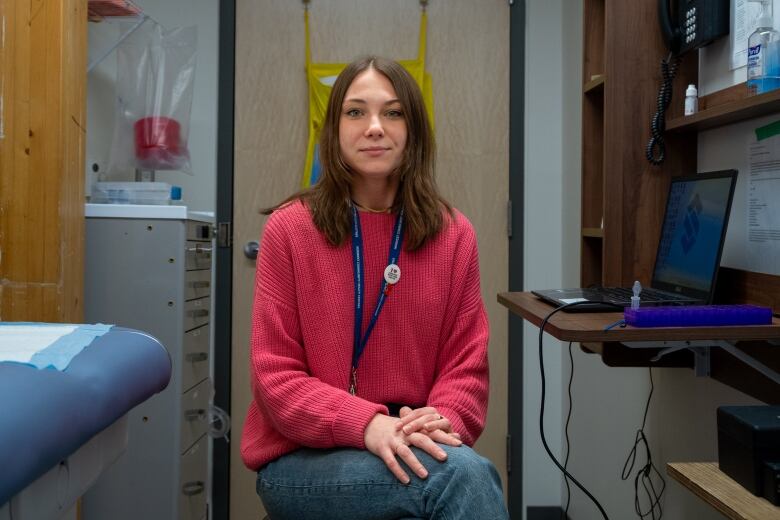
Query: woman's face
x,y
372,126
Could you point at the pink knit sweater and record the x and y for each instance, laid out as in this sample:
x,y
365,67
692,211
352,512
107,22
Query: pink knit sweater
x,y
429,346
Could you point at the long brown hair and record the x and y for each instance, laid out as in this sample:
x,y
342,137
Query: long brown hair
x,y
329,198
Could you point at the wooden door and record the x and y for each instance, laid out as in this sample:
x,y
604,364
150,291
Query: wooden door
x,y
43,51
468,58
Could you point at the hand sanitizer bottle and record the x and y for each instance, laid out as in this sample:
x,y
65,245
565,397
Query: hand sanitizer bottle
x,y
763,67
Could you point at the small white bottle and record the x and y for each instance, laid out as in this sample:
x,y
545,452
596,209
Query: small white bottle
x,y
691,100
636,289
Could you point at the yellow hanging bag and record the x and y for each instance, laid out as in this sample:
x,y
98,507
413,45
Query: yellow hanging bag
x,y
322,76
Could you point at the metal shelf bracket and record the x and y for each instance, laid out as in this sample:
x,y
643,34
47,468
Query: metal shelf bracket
x,y
701,352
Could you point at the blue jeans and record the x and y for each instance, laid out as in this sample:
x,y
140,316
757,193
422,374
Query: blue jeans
x,y
351,484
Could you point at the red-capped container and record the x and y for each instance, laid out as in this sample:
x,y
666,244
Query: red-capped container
x,y
158,143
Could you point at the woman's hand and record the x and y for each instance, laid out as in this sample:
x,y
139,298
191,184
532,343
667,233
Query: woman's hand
x,y
385,440
430,422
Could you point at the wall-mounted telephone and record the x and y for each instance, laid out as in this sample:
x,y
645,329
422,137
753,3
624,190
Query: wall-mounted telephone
x,y
695,24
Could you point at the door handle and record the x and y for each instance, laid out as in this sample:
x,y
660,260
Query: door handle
x,y
193,488
250,250
196,357
195,414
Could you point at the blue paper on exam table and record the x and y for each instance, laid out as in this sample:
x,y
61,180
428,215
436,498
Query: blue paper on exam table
x,y
46,345
46,415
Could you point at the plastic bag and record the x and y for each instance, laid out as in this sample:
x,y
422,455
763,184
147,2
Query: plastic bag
x,y
154,83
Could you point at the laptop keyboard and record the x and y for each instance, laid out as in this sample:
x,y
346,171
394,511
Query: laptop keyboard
x,y
648,295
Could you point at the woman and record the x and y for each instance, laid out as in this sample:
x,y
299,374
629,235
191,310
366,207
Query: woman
x,y
369,368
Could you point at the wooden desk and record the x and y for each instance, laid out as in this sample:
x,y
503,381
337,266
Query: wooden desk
x,y
703,479
716,488
588,327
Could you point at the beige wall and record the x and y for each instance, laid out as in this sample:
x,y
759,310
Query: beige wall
x,y
468,57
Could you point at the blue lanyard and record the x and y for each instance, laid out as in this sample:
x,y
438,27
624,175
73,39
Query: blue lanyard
x,y
357,270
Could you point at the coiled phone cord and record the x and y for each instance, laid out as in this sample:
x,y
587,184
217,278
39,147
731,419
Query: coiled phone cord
x,y
658,125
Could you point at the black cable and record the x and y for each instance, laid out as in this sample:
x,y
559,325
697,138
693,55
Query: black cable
x,y
541,413
658,124
647,472
566,433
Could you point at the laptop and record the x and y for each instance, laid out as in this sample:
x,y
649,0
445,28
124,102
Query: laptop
x,y
688,254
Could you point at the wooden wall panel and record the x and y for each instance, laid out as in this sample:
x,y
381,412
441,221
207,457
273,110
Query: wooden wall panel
x,y
634,190
43,90
593,39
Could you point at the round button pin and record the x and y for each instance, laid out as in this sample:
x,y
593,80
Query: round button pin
x,y
392,274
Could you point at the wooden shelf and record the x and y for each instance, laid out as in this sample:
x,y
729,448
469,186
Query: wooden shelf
x,y
725,366
709,483
738,286
593,232
592,326
727,113
99,9
596,84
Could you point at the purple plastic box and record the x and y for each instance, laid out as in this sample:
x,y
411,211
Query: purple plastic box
x,y
698,316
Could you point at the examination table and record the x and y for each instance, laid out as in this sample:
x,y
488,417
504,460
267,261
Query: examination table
x,y
60,429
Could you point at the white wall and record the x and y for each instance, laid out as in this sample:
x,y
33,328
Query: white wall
x,y
726,147
547,217
608,402
198,189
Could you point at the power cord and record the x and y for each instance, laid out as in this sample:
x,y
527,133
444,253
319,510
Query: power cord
x,y
566,433
658,124
646,473
541,413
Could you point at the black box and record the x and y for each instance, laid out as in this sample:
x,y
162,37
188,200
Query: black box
x,y
748,436
772,482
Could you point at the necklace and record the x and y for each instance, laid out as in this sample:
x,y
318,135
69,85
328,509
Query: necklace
x,y
371,210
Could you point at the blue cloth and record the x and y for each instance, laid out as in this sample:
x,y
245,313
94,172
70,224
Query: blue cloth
x,y
60,353
351,483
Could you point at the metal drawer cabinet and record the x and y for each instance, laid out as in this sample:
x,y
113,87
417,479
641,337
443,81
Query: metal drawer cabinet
x,y
194,420
155,274
195,362
198,255
197,284
192,481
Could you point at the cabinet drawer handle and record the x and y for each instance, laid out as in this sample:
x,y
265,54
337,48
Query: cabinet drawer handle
x,y
196,356
200,249
193,488
200,313
199,285
195,414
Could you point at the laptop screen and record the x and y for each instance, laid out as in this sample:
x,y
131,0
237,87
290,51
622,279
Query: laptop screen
x,y
693,232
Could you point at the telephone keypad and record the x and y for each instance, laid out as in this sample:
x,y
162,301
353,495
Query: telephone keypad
x,y
690,25
696,27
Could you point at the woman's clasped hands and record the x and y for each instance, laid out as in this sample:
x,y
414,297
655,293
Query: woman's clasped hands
x,y
389,439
